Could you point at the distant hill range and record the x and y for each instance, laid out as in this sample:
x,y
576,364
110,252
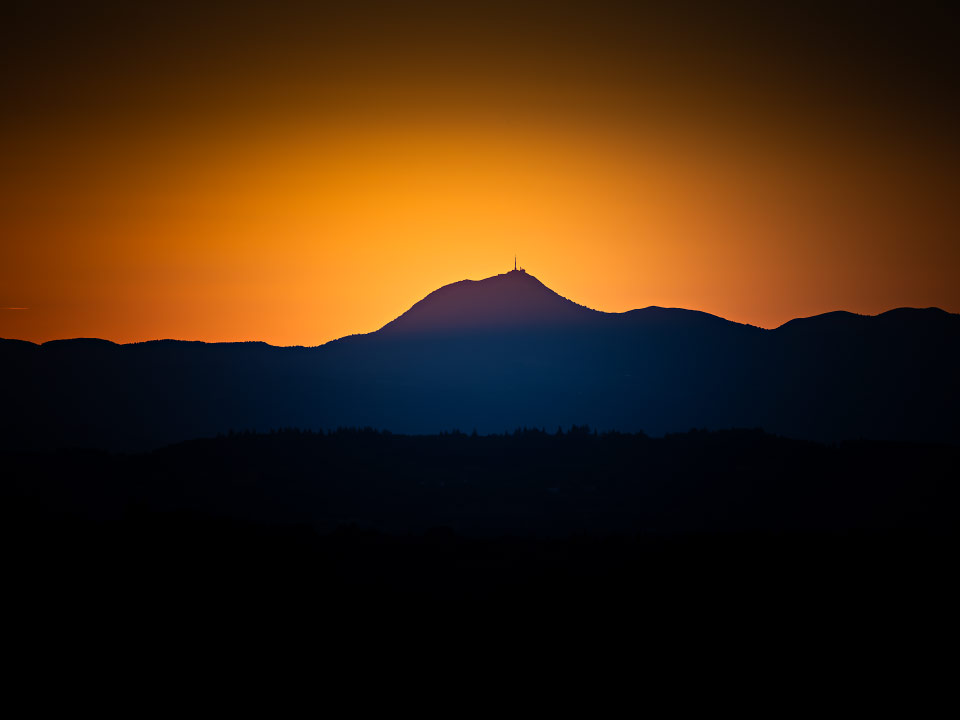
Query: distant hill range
x,y
494,355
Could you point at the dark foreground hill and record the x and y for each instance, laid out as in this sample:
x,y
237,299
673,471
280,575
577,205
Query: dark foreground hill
x,y
579,542
525,483
497,354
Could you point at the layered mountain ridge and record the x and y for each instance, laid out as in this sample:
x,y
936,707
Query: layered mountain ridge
x,y
497,354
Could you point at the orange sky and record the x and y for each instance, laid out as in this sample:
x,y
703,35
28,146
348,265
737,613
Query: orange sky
x,y
297,201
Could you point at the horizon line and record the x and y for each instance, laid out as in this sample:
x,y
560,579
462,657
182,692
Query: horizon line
x,y
359,334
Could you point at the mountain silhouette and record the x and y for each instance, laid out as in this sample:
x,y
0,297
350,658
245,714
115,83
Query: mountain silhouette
x,y
511,300
498,354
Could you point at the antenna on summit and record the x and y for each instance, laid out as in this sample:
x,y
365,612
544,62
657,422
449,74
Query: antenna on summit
x,y
514,262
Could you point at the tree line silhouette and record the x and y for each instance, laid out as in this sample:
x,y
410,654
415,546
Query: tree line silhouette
x,y
526,481
352,527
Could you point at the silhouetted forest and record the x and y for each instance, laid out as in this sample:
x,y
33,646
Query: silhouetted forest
x,y
530,482
531,525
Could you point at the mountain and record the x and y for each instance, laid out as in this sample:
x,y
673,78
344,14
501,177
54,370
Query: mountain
x,y
512,300
497,354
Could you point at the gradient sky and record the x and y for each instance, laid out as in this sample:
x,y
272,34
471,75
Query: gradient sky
x,y
294,172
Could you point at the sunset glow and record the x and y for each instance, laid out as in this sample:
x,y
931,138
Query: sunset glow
x,y
301,195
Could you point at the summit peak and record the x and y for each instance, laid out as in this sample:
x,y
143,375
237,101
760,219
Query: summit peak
x,y
509,300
